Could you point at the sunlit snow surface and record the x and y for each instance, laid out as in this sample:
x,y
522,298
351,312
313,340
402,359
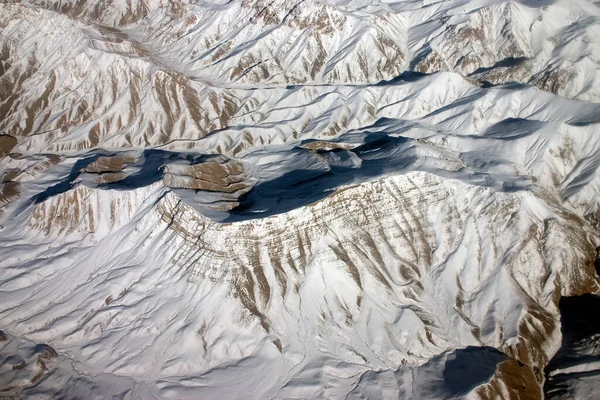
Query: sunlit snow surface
x,y
296,199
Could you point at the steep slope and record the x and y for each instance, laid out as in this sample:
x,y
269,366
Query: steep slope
x,y
294,199
377,277
116,77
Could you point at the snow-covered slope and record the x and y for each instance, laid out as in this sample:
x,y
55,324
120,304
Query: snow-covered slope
x,y
294,199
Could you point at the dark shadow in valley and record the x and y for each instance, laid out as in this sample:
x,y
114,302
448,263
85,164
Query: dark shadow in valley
x,y
297,188
536,3
306,176
68,182
450,375
406,76
467,368
573,371
508,62
512,128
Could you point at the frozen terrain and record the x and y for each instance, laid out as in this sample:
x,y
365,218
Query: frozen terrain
x,y
353,199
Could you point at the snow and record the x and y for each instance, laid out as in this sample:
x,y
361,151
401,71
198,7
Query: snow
x,y
396,191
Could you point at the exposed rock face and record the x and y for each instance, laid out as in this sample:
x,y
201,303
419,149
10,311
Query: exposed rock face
x,y
126,75
24,364
294,199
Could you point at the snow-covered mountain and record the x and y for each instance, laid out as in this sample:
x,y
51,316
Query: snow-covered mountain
x,y
297,199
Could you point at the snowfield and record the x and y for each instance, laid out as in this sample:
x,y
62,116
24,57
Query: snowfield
x,y
298,199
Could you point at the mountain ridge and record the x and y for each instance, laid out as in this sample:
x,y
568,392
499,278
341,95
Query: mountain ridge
x,y
344,199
